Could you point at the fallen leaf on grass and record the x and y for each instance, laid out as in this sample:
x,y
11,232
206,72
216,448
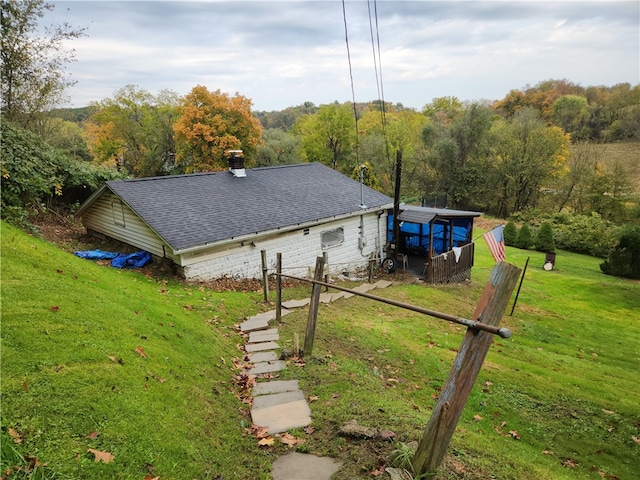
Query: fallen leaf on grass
x,y
313,398
547,452
477,418
34,462
99,456
93,435
55,308
140,351
636,439
309,429
149,477
291,441
514,434
15,435
377,472
266,442
569,463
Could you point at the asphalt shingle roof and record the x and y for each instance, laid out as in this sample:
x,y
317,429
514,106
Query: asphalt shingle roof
x,y
199,209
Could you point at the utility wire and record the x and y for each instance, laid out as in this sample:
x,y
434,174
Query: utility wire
x,y
353,93
377,60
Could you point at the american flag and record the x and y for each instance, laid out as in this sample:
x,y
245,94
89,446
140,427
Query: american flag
x,y
495,241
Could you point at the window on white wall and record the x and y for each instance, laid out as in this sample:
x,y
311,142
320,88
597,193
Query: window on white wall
x,y
331,238
118,212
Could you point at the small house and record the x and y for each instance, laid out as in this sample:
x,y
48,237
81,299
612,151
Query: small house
x,y
214,225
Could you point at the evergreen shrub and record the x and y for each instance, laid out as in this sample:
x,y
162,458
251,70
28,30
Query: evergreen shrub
x,y
524,239
510,233
544,239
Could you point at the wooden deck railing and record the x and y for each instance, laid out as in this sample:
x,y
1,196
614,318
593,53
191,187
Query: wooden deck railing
x,y
444,268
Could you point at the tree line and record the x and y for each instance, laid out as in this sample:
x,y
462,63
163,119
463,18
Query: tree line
x,y
539,149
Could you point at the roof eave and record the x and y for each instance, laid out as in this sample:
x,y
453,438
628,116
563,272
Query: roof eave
x,y
288,228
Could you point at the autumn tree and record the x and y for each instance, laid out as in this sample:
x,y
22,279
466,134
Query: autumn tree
x,y
328,136
278,148
210,123
526,155
382,136
458,154
33,61
364,173
571,112
134,131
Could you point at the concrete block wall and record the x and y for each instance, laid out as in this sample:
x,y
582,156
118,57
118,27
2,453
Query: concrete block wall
x,y
299,249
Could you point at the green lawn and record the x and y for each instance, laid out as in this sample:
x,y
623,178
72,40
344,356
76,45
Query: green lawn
x,y
558,400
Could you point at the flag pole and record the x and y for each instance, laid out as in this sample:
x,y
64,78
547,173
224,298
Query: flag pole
x,y
515,300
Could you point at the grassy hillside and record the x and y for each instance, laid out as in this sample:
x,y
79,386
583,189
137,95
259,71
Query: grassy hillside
x,y
558,400
624,154
96,358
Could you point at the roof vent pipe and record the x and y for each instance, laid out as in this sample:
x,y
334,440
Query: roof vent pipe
x,y
236,163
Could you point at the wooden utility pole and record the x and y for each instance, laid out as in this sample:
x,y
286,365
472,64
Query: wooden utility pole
x,y
464,371
313,307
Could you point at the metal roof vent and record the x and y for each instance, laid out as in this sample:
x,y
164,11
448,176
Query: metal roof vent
x,y
236,163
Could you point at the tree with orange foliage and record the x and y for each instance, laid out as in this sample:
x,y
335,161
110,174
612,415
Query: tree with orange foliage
x,y
210,123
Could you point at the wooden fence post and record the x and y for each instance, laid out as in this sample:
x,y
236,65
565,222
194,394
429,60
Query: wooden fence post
x,y
278,287
313,308
265,275
325,258
464,371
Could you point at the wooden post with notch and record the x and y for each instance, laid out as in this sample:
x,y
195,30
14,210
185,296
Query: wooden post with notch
x,y
464,371
313,308
278,287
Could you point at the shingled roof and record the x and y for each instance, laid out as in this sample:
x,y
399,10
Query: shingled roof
x,y
188,211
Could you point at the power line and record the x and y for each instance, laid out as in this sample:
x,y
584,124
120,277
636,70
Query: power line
x,y
353,93
379,84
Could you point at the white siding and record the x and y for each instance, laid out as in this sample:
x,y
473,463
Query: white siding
x,y
299,251
108,215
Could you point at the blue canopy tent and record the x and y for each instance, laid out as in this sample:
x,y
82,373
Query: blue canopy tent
x,y
426,232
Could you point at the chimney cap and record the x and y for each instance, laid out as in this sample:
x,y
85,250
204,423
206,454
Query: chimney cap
x,y
236,163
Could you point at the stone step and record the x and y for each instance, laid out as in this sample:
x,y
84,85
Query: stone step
x,y
259,347
296,303
254,324
267,367
264,401
383,284
282,417
274,386
265,356
264,335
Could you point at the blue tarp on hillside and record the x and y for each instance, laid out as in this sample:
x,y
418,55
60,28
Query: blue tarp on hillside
x,y
132,260
118,260
96,254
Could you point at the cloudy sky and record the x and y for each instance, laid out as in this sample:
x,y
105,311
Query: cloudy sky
x,y
283,53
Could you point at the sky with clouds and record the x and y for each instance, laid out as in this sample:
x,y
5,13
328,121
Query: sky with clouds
x,y
284,53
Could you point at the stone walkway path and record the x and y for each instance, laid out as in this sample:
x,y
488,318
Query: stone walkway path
x,y
280,405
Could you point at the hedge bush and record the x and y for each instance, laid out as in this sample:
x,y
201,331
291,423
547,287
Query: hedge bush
x,y
36,176
624,260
